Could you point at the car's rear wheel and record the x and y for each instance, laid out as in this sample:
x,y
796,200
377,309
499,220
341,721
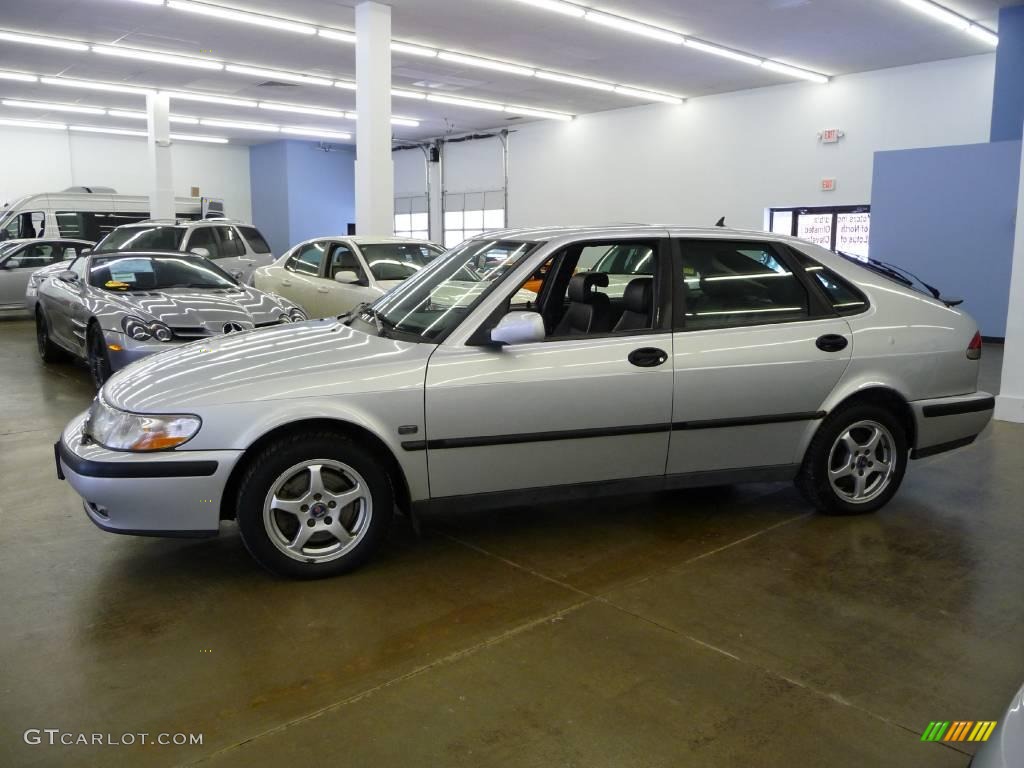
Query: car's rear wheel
x,y
48,351
314,505
856,461
97,358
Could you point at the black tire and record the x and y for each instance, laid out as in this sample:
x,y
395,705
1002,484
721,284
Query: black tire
x,y
279,458
813,480
48,351
96,356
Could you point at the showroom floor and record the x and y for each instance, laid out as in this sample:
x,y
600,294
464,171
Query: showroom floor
x,y
711,628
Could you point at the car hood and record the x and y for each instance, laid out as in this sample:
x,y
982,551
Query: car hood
x,y
315,358
208,309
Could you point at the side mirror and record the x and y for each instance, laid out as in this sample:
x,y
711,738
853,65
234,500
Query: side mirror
x,y
85,252
12,263
237,274
200,251
346,276
68,276
519,328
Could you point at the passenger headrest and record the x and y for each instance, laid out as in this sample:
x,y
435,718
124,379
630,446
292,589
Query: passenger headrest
x,y
581,284
639,295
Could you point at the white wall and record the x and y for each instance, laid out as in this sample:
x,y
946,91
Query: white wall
x,y
47,161
735,154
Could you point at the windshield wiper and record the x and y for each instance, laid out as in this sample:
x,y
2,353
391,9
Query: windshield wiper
x,y
366,308
931,289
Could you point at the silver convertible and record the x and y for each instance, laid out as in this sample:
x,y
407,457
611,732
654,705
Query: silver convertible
x,y
112,309
726,356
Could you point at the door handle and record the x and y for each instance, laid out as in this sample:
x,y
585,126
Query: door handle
x,y
286,283
647,357
831,342
321,289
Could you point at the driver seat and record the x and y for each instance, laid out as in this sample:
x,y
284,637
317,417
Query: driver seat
x,y
589,310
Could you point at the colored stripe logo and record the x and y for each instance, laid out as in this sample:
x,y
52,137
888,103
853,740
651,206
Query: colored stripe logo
x,y
958,730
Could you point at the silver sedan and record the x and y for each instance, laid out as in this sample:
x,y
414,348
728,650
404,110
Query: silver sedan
x,y
726,356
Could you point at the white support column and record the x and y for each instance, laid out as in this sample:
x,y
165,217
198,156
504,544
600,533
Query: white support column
x,y
435,184
158,125
375,180
1010,402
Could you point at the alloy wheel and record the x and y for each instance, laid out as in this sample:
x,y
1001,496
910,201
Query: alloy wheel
x,y
862,462
99,366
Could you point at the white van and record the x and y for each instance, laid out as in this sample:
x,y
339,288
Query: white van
x,y
89,213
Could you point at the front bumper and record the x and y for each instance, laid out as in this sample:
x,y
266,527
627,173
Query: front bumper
x,y
166,493
128,350
945,423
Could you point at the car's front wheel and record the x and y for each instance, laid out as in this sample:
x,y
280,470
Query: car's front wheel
x,y
856,461
97,358
314,505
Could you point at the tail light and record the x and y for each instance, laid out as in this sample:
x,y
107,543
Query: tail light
x,y
974,348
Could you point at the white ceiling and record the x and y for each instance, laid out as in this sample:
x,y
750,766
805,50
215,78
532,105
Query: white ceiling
x,y
835,37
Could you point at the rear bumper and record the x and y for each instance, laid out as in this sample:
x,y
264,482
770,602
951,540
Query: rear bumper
x,y
945,423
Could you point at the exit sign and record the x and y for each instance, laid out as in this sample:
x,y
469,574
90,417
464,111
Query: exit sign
x,y
830,135
828,185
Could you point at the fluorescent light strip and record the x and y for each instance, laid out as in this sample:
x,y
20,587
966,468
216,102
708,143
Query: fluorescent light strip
x,y
717,50
635,27
939,13
194,137
413,50
348,85
115,131
322,112
246,17
91,85
265,127
473,104
19,77
985,35
482,63
566,9
337,34
537,113
403,94
161,58
276,74
48,42
128,115
315,133
640,94
786,69
406,121
31,124
582,82
210,99
48,107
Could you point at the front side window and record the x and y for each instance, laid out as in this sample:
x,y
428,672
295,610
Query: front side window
x,y
41,255
343,259
204,237
230,242
398,261
307,260
25,224
153,273
256,241
731,284
142,239
433,302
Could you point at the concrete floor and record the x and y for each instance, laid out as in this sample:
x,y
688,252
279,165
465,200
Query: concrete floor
x,y
713,628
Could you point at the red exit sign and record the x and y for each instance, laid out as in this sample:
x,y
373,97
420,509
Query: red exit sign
x,y
828,185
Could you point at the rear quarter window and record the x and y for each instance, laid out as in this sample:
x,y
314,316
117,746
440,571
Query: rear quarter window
x,y
845,298
256,241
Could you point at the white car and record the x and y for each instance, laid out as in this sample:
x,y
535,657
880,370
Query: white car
x,y
331,275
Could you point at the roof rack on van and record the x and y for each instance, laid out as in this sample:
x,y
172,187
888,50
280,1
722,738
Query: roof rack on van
x,y
99,190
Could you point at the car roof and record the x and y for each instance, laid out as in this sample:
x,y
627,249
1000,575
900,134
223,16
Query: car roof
x,y
368,240
23,240
655,230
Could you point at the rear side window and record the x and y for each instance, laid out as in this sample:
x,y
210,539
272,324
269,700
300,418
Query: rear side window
x,y
842,295
230,242
203,237
255,239
307,260
729,284
93,225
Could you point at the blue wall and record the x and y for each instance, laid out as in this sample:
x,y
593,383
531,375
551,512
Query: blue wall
x,y
299,191
1008,94
947,214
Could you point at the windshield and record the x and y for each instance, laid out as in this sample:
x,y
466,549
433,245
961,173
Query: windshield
x,y
433,302
397,261
152,238
156,273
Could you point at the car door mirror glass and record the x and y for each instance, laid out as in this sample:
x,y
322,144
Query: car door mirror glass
x,y
200,251
68,276
12,264
346,276
519,328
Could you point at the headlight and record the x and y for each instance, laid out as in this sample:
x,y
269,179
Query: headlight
x,y
297,315
140,331
160,332
123,431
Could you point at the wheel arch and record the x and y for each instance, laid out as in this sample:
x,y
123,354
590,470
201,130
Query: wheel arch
x,y
876,394
349,429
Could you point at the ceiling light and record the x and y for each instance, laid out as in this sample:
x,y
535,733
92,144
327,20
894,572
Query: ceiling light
x,y
316,133
337,34
204,139
974,30
302,110
649,95
569,9
406,94
570,80
49,42
19,77
115,131
406,121
162,58
718,50
538,113
91,85
938,12
129,115
636,27
465,102
149,2
476,61
786,69
209,99
348,85
266,127
244,16
32,124
413,50
275,74
52,107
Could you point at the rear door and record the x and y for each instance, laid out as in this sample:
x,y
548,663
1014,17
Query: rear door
x,y
301,279
757,351
257,248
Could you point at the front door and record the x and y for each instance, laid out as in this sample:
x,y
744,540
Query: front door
x,y
592,402
757,352
335,298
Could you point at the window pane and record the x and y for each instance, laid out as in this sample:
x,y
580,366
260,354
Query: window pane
x,y
420,234
255,239
403,222
494,218
852,231
782,222
739,283
419,221
474,220
815,228
622,263
846,300
308,260
471,233
452,237
453,219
